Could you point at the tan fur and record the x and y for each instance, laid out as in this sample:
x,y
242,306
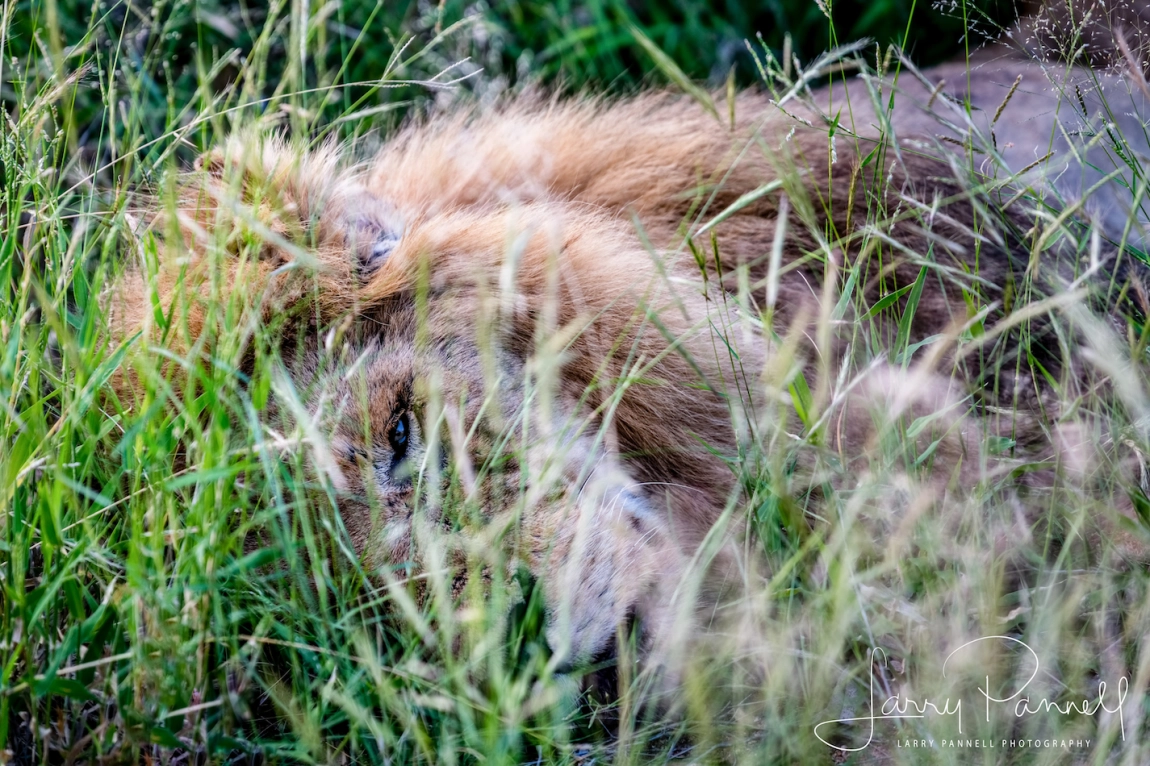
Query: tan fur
x,y
477,246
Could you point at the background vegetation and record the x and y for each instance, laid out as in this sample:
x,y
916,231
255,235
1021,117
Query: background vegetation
x,y
135,626
208,56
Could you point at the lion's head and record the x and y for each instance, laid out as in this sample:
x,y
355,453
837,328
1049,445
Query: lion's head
x,y
524,377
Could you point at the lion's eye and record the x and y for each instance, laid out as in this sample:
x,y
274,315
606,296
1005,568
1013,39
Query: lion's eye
x,y
398,437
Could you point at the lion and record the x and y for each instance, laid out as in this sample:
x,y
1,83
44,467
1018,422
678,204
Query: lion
x,y
575,308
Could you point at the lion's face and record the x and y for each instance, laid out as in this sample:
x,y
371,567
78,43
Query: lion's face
x,y
424,452
517,377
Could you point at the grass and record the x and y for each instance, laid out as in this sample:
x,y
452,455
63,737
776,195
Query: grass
x,y
136,625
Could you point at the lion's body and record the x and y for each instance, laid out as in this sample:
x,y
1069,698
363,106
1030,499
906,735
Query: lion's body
x,y
534,270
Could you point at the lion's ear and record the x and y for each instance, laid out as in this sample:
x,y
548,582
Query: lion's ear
x,y
374,229
210,162
243,155
300,193
252,163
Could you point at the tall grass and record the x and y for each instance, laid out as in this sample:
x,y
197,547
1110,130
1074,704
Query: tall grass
x,y
139,622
